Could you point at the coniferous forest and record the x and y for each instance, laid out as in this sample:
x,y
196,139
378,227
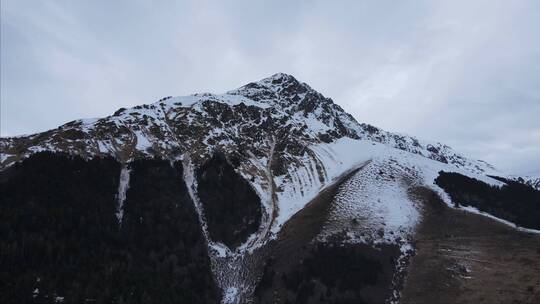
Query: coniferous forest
x,y
515,202
60,236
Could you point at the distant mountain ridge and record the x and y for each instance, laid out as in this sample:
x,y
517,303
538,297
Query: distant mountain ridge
x,y
533,181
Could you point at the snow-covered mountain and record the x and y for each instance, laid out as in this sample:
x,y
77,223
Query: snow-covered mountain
x,y
267,167
277,109
279,130
531,180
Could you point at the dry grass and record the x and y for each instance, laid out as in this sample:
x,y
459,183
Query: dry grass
x,y
467,258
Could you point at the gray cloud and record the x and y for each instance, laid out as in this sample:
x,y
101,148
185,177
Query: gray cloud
x,y
466,73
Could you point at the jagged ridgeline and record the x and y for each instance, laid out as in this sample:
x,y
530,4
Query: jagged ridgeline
x,y
269,193
277,109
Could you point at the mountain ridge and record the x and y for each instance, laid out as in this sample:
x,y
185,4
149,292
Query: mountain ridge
x,y
291,99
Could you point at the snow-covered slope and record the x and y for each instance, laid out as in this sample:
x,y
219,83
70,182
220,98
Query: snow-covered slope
x,y
534,182
531,180
378,194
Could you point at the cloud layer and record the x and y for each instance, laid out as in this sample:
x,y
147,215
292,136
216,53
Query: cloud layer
x,y
466,73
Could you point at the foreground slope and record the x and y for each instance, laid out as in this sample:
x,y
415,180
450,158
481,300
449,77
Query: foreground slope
x,y
462,257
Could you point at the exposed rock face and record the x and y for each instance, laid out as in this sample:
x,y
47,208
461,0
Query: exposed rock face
x,y
231,207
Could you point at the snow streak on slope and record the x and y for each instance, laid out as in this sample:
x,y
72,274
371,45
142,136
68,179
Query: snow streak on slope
x,y
123,186
215,248
270,201
503,221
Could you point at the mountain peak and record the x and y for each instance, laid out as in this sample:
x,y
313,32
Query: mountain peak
x,y
280,79
277,86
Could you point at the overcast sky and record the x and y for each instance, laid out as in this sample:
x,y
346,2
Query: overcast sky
x,y
466,73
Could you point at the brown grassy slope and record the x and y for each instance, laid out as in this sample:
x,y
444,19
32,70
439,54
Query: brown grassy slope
x,y
468,258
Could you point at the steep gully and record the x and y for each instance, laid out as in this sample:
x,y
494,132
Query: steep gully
x,y
264,234
238,271
235,270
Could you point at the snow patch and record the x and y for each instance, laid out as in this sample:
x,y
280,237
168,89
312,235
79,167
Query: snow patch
x,y
376,206
500,220
230,295
123,186
142,141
